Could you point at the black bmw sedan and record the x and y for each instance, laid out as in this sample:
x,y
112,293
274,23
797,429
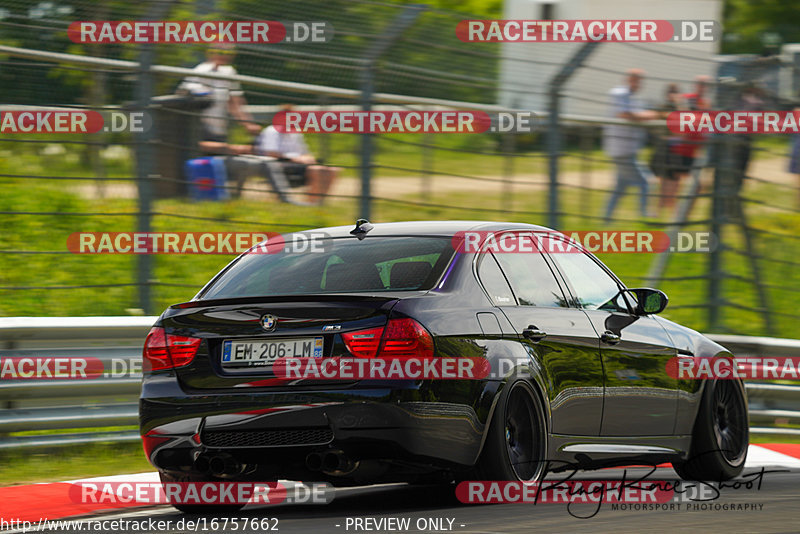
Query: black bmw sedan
x,y
577,365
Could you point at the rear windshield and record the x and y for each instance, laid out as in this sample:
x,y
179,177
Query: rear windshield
x,y
346,265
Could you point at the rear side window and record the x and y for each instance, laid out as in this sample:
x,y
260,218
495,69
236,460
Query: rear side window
x,y
494,281
344,265
532,279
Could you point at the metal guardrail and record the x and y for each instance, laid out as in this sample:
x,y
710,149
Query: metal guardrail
x,y
38,407
770,405
42,409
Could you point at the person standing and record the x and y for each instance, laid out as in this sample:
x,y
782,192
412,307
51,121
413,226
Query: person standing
x,y
794,160
663,161
227,100
623,142
685,152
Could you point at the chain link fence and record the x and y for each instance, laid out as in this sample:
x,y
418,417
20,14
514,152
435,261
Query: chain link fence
x,y
404,57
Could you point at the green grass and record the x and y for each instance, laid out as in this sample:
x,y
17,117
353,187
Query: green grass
x,y
772,438
405,155
70,463
72,430
51,232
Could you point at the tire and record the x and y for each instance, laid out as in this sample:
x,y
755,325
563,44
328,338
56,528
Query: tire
x,y
721,434
516,444
198,509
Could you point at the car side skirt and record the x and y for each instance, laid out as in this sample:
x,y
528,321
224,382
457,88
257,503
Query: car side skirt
x,y
588,452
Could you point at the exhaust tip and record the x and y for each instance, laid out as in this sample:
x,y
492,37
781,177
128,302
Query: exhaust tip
x,y
224,465
201,464
332,461
216,465
314,461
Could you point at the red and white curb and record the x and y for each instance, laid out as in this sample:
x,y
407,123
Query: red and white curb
x,y
777,455
34,502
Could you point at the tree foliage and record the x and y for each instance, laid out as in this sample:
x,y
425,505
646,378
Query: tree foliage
x,y
749,25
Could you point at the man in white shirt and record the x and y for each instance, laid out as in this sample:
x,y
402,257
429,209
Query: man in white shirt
x,y
227,99
297,163
622,143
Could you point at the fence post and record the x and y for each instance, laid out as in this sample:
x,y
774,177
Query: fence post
x,y
396,27
366,146
509,145
144,165
427,165
324,140
553,131
724,165
586,146
144,262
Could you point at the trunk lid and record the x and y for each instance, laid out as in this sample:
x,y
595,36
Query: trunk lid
x,y
300,321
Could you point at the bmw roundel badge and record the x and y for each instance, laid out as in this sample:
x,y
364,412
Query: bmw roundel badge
x,y
269,322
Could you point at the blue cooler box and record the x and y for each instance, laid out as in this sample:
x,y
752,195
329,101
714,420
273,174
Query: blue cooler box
x,y
207,178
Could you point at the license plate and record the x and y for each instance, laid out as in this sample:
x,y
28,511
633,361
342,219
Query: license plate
x,y
262,352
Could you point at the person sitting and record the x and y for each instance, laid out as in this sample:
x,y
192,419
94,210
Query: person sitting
x,y
299,166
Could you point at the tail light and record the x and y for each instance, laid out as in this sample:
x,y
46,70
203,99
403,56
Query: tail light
x,y
399,339
363,343
167,351
406,337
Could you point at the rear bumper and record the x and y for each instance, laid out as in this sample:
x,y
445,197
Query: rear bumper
x,y
379,423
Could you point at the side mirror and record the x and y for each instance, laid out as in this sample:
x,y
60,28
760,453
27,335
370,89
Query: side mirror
x,y
649,300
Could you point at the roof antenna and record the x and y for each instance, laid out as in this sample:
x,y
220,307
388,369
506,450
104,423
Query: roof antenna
x,y
362,227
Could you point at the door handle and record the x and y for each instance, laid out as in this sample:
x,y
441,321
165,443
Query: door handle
x,y
533,333
609,338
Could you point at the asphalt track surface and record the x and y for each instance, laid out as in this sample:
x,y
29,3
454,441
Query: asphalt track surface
x,y
779,494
